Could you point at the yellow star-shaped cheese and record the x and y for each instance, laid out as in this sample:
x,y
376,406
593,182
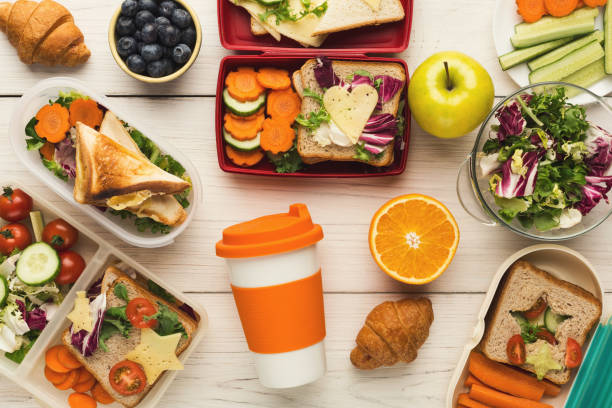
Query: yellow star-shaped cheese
x,y
156,353
80,315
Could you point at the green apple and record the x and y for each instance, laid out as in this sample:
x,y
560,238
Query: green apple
x,y
450,94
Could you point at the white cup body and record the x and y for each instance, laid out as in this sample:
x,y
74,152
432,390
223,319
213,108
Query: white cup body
x,y
293,368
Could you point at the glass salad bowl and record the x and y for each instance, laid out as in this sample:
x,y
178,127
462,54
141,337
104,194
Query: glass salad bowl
x,y
535,202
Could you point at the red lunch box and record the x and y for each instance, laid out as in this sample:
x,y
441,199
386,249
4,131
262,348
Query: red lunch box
x,y
235,34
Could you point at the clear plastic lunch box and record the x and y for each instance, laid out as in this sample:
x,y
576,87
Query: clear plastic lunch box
x,y
98,255
559,261
38,96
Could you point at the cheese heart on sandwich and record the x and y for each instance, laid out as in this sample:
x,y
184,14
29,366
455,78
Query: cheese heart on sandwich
x,y
350,111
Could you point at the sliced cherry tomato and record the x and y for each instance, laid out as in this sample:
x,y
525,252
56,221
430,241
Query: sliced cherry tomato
x,y
72,265
60,235
546,335
536,310
136,311
516,350
14,236
127,378
573,354
15,205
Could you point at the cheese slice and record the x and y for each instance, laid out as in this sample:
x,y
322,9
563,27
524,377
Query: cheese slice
x,y
80,315
351,111
156,354
374,4
122,202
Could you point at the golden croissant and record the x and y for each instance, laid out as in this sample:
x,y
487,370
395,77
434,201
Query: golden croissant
x,y
43,33
393,332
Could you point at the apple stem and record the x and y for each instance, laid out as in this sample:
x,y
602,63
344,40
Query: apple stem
x,y
449,85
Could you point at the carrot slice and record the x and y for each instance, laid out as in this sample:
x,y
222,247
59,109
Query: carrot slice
x,y
244,129
284,105
498,399
244,159
595,3
550,389
531,10
242,84
70,381
66,358
504,378
53,362
55,377
85,386
48,151
85,111
251,117
84,375
100,395
560,8
52,123
277,136
471,380
273,78
465,400
79,400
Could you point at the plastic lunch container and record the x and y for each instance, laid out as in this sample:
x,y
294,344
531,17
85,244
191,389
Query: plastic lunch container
x,y
276,280
561,262
38,96
98,255
234,32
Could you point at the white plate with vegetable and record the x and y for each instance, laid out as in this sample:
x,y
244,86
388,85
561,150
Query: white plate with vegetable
x,y
572,40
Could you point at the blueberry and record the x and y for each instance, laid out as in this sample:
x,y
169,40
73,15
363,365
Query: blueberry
x,y
127,46
125,26
149,5
156,69
139,46
137,35
143,17
151,52
168,52
167,66
188,36
161,20
149,33
136,64
129,8
168,35
181,54
166,8
181,18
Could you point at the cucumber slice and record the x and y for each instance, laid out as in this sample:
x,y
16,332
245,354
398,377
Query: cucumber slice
x,y
554,32
584,13
268,2
39,263
552,320
246,145
38,225
565,50
569,64
585,77
4,290
608,37
520,319
243,108
538,321
516,57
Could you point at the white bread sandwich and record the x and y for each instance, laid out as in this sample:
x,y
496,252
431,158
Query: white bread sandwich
x,y
550,315
328,141
348,14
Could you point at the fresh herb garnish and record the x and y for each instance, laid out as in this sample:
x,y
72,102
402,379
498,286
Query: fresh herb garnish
x,y
288,162
360,72
314,119
283,12
528,330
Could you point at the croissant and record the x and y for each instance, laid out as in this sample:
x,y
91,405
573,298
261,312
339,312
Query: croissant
x,y
393,332
43,33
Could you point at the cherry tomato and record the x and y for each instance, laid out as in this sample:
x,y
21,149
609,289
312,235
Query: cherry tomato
x,y
536,310
60,235
72,265
127,378
137,309
14,236
516,350
573,354
546,335
15,205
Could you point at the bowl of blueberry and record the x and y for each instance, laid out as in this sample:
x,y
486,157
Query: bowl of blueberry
x,y
155,40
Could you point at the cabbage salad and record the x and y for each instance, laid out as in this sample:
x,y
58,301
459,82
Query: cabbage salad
x,y
546,165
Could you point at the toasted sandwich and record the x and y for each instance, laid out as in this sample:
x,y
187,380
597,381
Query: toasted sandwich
x,y
348,14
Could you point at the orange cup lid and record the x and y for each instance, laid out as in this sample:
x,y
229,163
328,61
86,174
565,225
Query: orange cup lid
x,y
271,234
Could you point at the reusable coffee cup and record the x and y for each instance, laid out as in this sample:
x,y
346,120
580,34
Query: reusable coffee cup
x,y
276,281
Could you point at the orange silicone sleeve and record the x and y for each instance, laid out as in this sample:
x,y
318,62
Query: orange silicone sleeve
x,y
282,318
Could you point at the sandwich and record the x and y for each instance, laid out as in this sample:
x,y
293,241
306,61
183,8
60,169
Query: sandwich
x,y
381,85
538,321
118,339
112,172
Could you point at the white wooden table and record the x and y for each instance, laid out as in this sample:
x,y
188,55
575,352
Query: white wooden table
x,y
221,372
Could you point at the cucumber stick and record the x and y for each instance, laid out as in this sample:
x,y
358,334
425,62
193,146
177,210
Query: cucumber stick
x,y
555,32
608,38
584,13
38,224
4,290
585,77
569,64
516,57
565,50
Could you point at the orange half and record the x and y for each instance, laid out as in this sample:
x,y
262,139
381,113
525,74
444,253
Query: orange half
x,y
413,238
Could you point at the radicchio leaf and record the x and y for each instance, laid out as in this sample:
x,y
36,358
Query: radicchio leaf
x,y
324,73
511,121
87,342
389,87
65,155
516,185
380,130
36,319
591,196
